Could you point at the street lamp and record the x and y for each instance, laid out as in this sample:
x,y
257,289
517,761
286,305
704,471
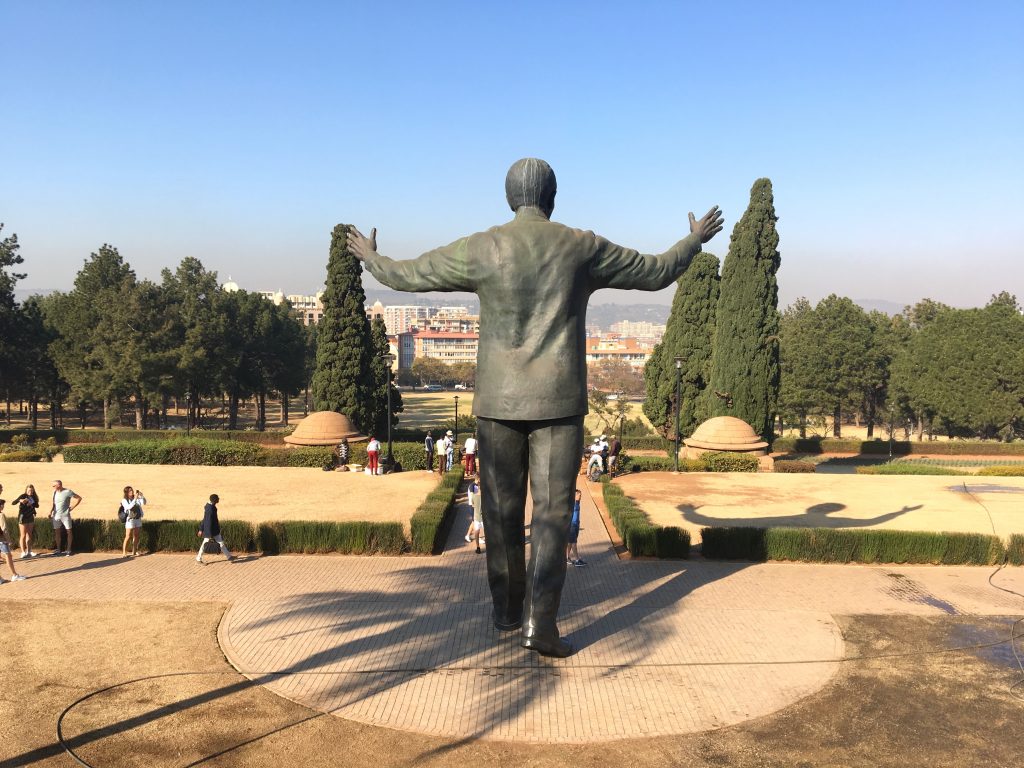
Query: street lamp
x,y
388,359
188,414
679,403
456,420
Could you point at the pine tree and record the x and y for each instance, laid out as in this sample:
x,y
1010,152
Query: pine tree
x,y
343,380
380,346
745,364
690,332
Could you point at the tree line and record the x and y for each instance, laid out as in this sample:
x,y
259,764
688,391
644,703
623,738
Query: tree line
x,y
115,344
930,370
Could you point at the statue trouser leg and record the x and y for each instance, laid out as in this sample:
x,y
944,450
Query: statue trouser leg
x,y
550,449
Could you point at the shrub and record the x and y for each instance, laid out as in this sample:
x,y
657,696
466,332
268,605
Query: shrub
x,y
880,447
21,456
630,463
647,443
638,534
729,462
831,545
315,537
429,524
1015,550
906,468
791,467
1002,471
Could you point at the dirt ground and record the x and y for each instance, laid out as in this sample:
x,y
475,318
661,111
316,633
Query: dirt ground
x,y
910,503
948,709
255,494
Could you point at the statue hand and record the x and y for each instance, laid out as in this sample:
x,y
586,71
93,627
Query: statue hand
x,y
360,245
709,225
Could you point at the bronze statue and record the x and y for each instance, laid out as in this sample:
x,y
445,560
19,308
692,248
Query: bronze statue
x,y
534,278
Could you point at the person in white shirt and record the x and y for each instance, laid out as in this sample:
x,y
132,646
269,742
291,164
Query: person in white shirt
x,y
132,504
471,455
372,454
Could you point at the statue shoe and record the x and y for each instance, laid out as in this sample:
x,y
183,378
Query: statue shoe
x,y
547,646
509,625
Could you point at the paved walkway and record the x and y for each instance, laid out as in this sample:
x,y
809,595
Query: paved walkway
x,y
664,647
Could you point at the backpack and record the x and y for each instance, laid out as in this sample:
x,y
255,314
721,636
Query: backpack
x,y
121,514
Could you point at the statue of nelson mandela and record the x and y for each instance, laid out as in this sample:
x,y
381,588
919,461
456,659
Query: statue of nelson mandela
x,y
534,277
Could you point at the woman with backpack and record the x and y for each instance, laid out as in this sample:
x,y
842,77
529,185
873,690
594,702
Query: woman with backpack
x,y
131,515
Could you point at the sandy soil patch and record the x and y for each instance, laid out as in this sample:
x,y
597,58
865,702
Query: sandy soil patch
x,y
909,503
255,494
922,710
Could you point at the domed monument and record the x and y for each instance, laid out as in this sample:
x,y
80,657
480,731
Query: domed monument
x,y
324,428
725,433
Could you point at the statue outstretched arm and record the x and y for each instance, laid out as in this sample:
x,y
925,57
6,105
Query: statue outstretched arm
x,y
618,267
443,269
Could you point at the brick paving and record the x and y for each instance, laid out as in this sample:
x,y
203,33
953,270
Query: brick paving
x,y
407,643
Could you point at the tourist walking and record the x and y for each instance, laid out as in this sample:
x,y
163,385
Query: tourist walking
x,y
471,454
572,553
476,527
428,449
211,529
373,454
28,505
131,507
449,451
5,545
64,501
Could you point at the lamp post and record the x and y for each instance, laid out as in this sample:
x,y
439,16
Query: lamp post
x,y
388,358
456,420
679,374
188,414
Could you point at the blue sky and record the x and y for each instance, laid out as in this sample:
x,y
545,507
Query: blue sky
x,y
240,133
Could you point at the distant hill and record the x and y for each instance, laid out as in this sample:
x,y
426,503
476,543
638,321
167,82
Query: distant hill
x,y
603,315
889,307
20,294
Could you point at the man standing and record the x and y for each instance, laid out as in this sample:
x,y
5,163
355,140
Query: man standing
x,y
471,454
449,450
613,455
428,449
64,500
534,278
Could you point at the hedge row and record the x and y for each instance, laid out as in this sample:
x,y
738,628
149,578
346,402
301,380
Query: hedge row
x,y
707,462
1002,471
647,443
429,525
831,545
907,468
64,436
901,447
21,456
791,467
293,536
1015,549
639,535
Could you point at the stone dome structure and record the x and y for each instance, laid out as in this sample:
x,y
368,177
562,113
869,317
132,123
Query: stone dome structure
x,y
725,433
324,428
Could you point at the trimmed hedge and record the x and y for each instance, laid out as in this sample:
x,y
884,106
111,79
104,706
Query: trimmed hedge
x,y
793,467
21,456
1015,549
729,462
647,443
226,453
287,537
907,468
429,524
64,436
901,447
708,462
831,545
1002,471
641,537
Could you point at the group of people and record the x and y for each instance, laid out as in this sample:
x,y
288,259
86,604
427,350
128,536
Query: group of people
x,y
130,512
603,455
445,450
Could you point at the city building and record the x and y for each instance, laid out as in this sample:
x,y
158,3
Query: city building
x,y
611,347
644,332
446,347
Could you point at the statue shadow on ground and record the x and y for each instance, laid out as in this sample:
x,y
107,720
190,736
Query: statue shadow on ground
x,y
815,516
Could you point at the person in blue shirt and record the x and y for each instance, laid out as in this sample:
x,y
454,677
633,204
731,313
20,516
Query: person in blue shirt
x,y
572,554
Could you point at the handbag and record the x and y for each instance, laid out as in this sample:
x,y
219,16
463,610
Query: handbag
x,y
122,515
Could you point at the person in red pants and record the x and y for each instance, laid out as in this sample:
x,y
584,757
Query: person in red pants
x,y
372,453
471,455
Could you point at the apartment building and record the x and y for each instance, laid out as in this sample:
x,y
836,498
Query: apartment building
x,y
613,347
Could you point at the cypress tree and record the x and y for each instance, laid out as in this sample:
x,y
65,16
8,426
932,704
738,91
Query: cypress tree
x,y
379,343
745,364
343,379
689,334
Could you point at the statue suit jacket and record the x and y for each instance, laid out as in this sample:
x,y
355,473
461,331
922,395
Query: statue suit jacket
x,y
534,278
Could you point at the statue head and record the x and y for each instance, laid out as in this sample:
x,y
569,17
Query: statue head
x,y
531,181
